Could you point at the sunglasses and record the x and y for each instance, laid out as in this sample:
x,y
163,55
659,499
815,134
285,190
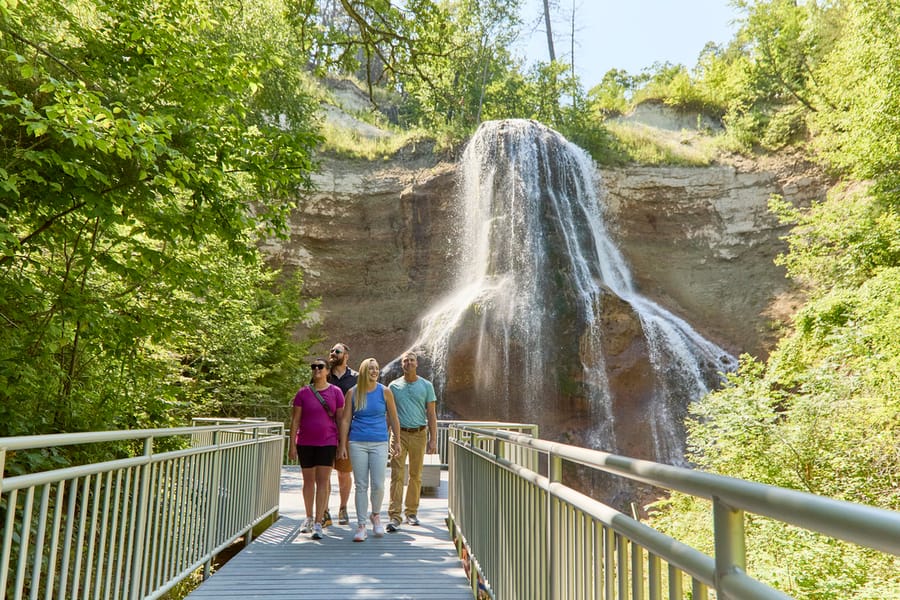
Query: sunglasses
x,y
317,366
337,351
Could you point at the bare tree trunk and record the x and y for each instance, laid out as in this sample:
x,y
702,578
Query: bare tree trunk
x,y
549,30
572,56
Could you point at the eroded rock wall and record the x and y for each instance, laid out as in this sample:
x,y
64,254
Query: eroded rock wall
x,y
702,242
376,243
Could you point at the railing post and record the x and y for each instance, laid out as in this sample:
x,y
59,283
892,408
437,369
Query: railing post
x,y
554,475
137,565
213,531
254,496
728,531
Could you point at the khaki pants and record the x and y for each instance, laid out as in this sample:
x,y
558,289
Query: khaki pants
x,y
412,445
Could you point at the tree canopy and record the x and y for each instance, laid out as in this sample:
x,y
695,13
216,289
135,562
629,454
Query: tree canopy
x,y
146,148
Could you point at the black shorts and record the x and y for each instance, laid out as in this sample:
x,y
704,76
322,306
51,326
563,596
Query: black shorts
x,y
316,456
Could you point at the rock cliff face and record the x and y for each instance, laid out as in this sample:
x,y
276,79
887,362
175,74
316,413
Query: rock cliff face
x,y
376,243
702,243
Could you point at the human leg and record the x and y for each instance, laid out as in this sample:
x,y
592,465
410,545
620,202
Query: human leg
x,y
377,467
345,482
398,465
359,456
416,446
322,475
309,492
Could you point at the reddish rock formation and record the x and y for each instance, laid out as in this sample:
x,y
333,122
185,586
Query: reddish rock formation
x,y
376,242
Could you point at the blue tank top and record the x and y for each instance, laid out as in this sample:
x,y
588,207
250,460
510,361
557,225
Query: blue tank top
x,y
370,424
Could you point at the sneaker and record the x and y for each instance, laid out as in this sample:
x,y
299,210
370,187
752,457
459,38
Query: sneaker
x,y
393,526
377,529
343,517
412,520
317,532
307,525
361,534
326,520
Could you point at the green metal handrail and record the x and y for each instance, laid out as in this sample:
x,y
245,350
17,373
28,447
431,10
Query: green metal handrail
x,y
528,535
136,526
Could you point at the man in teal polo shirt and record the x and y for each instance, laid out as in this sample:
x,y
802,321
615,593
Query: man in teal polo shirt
x,y
415,400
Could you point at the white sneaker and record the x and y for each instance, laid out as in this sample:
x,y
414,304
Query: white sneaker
x,y
377,528
317,531
307,525
361,534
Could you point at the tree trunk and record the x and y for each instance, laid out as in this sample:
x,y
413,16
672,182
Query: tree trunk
x,y
549,30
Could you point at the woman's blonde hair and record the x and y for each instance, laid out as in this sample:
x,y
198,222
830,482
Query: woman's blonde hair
x,y
360,393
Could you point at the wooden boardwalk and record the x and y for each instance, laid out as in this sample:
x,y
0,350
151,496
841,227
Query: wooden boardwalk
x,y
282,563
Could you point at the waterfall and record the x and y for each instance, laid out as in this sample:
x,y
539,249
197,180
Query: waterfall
x,y
536,265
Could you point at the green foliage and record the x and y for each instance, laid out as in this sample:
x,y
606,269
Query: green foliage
x,y
843,241
609,98
821,415
859,131
146,149
442,56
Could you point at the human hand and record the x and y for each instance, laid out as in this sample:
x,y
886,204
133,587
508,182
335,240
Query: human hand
x,y
292,452
342,452
431,448
395,448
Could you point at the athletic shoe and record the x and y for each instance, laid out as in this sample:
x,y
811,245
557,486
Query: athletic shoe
x,y
343,517
307,525
393,526
361,534
326,520
412,520
377,529
317,532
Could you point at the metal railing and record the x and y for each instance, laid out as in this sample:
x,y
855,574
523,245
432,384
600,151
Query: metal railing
x,y
527,535
444,426
134,527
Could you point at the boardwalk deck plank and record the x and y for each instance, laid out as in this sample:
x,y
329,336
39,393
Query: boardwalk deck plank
x,y
282,563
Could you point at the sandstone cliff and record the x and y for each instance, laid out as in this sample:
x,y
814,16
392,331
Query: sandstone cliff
x,y
376,242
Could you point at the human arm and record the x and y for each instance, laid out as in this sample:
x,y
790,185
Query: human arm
x,y
295,426
431,414
344,415
393,421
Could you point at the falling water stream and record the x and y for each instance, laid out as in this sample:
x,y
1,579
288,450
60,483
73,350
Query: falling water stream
x,y
536,264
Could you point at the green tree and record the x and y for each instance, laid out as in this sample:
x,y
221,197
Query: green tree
x,y
821,414
146,148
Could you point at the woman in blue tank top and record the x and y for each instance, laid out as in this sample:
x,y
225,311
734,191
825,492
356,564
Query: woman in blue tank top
x,y
365,439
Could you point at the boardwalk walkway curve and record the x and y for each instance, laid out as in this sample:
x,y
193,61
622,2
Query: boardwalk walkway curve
x,y
282,563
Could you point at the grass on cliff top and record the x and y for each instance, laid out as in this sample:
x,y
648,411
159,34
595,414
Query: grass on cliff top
x,y
651,146
351,143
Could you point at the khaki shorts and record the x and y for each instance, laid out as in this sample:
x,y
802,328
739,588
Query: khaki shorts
x,y
343,465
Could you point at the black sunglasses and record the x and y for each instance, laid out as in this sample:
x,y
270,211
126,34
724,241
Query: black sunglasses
x,y
317,366
337,351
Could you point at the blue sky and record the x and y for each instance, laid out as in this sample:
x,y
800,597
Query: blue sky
x,y
629,34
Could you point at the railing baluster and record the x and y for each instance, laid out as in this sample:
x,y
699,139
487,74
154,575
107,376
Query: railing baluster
x,y
654,577
676,592
114,548
637,572
84,496
54,537
22,565
35,583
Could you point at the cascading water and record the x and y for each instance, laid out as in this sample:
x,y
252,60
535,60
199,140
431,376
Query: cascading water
x,y
524,326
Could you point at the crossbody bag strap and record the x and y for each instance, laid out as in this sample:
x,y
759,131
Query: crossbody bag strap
x,y
322,401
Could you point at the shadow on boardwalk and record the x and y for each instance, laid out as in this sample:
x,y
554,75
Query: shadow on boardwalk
x,y
282,563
